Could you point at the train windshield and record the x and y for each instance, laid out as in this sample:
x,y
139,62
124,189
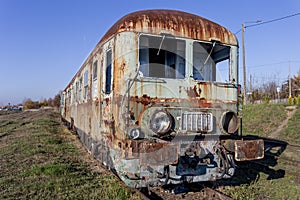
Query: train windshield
x,y
162,57
210,61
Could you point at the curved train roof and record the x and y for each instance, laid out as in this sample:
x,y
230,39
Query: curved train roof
x,y
177,23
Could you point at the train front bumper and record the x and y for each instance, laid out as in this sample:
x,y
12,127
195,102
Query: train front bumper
x,y
245,149
172,163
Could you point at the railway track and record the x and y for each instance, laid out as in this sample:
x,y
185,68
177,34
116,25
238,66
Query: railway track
x,y
294,145
276,147
277,152
279,142
190,191
187,192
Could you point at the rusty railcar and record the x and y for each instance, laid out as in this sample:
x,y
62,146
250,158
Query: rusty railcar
x,y
148,101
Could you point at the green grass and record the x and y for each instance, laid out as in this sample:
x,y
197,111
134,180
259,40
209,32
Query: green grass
x,y
39,160
292,131
263,188
281,180
262,119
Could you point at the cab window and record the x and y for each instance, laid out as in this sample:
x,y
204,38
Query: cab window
x,y
162,57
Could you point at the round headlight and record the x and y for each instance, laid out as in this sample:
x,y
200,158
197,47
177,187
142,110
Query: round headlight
x,y
135,133
229,122
160,122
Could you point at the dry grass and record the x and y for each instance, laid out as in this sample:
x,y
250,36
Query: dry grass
x,y
40,159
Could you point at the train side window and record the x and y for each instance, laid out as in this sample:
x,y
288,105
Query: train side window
x,y
69,97
95,69
72,94
94,78
108,72
86,82
62,99
80,89
77,91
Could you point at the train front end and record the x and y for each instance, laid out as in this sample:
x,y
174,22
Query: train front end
x,y
177,103
181,112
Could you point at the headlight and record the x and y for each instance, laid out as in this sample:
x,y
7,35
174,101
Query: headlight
x,y
160,122
229,122
135,133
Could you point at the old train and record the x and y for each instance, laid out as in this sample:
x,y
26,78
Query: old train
x,y
151,102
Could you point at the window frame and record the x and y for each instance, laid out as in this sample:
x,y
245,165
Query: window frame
x,y
212,76
85,83
108,71
95,71
179,73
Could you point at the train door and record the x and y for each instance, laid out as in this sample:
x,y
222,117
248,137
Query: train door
x,y
107,93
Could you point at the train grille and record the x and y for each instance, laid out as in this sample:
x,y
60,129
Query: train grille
x,y
197,121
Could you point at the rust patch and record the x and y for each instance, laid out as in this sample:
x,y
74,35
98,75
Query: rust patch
x,y
96,102
110,124
194,95
193,92
191,101
203,103
154,154
107,100
145,99
249,149
118,99
177,23
150,147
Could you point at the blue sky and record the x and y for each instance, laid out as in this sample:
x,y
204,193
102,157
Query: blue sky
x,y
44,42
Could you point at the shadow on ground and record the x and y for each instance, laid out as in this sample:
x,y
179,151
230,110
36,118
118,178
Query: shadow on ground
x,y
246,171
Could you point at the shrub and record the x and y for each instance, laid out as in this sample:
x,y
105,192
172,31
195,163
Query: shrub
x,y
290,100
29,104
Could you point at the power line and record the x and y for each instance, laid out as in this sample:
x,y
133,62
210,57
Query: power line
x,y
269,21
277,63
273,20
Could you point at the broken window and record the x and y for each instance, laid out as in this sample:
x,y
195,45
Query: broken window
x,y
205,58
162,57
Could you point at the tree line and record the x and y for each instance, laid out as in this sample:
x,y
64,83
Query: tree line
x,y
289,90
51,102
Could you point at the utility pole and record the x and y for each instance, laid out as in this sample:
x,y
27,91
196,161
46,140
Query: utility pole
x,y
290,81
244,58
251,80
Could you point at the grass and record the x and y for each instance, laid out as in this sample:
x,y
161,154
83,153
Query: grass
x,y
40,160
262,119
291,132
265,189
281,180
